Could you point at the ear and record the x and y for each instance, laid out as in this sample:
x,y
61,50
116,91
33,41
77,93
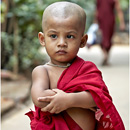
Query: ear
x,y
41,38
84,41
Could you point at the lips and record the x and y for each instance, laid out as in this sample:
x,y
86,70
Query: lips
x,y
61,52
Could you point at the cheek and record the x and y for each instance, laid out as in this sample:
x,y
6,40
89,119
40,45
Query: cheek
x,y
49,48
75,47
74,50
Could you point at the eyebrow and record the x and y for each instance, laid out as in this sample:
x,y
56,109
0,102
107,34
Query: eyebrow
x,y
51,31
54,31
72,32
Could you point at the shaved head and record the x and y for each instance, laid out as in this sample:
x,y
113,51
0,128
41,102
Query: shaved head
x,y
64,10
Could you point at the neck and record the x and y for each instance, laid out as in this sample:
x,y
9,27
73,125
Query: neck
x,y
56,65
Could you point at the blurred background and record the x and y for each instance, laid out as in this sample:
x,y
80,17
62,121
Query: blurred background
x,y
21,52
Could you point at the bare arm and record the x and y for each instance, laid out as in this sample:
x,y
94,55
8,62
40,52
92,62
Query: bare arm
x,y
120,15
82,99
40,86
62,101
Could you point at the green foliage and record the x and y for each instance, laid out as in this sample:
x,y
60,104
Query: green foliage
x,y
7,49
28,14
124,4
3,8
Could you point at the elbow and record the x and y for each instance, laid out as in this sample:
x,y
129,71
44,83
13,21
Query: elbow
x,y
39,104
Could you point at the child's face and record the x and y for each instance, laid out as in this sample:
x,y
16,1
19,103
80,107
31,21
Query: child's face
x,y
62,39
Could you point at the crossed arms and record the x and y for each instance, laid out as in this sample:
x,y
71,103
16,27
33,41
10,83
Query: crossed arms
x,y
56,100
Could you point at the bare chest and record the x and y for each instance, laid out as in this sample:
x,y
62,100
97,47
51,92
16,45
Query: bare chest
x,y
54,75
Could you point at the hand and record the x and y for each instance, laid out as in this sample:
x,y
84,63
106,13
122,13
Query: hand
x,y
59,102
122,27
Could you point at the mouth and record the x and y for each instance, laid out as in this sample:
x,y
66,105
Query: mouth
x,y
61,52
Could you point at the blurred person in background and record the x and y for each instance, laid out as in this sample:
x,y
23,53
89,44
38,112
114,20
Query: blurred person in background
x,y
105,16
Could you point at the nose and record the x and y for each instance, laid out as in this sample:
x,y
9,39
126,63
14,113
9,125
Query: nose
x,y
62,42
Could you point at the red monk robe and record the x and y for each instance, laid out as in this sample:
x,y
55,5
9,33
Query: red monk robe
x,y
80,76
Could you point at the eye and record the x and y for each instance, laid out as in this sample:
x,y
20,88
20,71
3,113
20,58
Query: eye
x,y
53,36
70,36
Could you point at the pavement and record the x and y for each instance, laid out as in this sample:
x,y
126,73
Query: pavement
x,y
14,93
116,77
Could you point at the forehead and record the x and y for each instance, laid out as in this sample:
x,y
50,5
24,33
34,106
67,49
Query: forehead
x,y
69,23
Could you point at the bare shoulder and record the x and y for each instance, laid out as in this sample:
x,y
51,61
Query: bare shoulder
x,y
39,72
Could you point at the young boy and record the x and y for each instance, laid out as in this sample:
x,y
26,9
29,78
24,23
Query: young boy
x,y
68,92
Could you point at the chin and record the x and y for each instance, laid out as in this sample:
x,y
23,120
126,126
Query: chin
x,y
66,60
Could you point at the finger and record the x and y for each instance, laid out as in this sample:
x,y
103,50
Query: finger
x,y
55,110
56,90
45,99
48,108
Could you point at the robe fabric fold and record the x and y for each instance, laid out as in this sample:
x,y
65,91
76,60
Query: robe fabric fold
x,y
80,76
